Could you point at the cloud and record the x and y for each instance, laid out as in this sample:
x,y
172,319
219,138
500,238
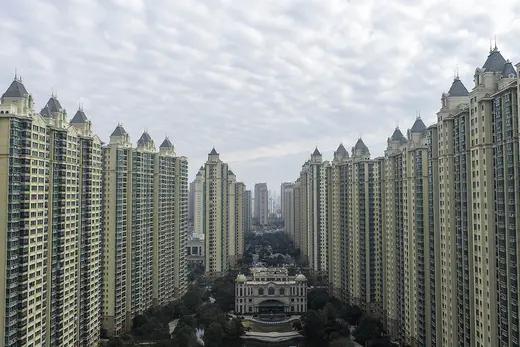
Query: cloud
x,y
263,81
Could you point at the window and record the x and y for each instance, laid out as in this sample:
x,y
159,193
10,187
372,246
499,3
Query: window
x,y
270,291
282,291
260,291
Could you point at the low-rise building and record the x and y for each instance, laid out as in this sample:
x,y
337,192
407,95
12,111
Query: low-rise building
x,y
270,290
195,249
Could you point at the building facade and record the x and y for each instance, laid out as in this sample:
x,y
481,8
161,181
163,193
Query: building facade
x,y
314,211
223,216
426,236
195,252
51,224
261,203
248,212
145,228
198,202
270,291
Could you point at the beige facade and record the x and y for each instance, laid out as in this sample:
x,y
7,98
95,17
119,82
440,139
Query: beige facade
x,y
51,180
312,206
223,224
270,290
261,203
145,228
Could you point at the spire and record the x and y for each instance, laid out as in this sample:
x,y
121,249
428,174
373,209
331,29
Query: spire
x,y
213,151
496,48
15,90
316,152
166,143
119,131
79,117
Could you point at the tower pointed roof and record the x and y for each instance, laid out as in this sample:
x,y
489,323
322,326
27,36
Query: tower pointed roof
x,y
360,145
54,105
166,143
119,131
316,152
342,150
213,152
230,173
418,126
457,88
144,139
509,71
79,117
398,135
495,61
15,90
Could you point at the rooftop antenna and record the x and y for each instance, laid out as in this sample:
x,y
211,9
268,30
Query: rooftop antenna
x,y
490,45
496,48
15,74
457,72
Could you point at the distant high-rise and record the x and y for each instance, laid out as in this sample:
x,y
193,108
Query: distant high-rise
x,y
286,206
223,224
248,213
261,203
198,202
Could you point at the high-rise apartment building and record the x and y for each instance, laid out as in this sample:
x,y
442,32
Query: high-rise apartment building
x,y
355,272
145,227
428,233
51,236
288,208
223,221
315,213
283,200
261,203
248,213
198,202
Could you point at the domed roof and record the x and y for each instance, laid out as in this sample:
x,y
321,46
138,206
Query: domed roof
x,y
301,278
241,278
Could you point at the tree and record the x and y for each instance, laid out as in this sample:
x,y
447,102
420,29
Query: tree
x,y
317,299
224,292
297,325
210,313
193,298
214,335
184,336
369,328
330,312
313,325
234,328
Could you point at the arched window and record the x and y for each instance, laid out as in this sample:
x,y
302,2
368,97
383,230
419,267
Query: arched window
x,y
282,291
270,291
260,291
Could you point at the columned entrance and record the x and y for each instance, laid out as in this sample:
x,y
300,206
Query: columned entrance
x,y
271,307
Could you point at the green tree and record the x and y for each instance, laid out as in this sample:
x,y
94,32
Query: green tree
x,y
193,298
210,313
313,325
184,336
223,291
214,335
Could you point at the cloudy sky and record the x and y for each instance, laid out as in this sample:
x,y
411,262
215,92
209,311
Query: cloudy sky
x,y
263,81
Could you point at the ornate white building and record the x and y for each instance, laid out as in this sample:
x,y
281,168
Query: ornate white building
x,y
270,290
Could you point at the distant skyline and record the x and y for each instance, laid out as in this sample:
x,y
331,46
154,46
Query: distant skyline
x,y
264,82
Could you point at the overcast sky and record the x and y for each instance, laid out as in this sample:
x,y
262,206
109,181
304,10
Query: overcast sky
x,y
264,81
